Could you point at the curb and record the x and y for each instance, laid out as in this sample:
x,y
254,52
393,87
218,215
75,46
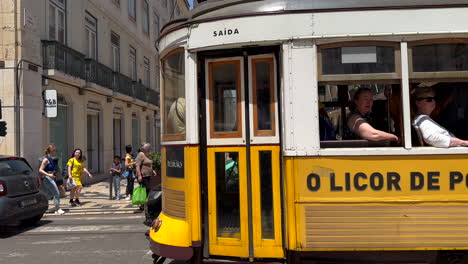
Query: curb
x,y
94,213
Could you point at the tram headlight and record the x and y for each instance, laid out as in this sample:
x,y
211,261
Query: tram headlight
x,y
156,225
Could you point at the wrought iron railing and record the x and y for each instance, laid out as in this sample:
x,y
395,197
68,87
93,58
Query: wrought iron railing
x,y
98,73
65,59
122,84
153,97
140,91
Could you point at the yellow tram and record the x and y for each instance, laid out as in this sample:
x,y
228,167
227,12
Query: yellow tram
x,y
249,170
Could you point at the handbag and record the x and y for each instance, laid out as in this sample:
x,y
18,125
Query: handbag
x,y
70,184
126,173
139,195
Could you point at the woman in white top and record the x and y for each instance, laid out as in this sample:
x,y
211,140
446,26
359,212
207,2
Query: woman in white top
x,y
432,133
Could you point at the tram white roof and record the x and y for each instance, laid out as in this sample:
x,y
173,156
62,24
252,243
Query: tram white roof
x,y
223,9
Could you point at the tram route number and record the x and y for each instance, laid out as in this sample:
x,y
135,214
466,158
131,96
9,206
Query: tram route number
x,y
390,181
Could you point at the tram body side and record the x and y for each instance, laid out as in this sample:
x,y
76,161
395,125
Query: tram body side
x,y
380,203
377,203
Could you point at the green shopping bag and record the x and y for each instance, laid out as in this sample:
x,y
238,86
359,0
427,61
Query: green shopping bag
x,y
139,195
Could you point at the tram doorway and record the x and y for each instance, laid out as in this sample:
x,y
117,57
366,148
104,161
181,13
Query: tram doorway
x,y
241,134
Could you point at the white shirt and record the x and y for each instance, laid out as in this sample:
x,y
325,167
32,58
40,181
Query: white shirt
x,y
432,133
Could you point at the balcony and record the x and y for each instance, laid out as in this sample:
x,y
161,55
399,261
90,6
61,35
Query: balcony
x,y
153,97
59,57
141,91
98,73
122,84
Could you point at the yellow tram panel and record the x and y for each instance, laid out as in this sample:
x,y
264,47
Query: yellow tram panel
x,y
377,202
181,202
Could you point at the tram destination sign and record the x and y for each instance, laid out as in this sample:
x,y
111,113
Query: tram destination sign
x,y
225,32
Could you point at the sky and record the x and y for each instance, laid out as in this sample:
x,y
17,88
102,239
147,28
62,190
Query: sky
x,y
191,3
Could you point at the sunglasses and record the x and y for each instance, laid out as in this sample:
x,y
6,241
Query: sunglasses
x,y
428,99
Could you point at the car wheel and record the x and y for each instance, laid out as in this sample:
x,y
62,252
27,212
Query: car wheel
x,y
32,221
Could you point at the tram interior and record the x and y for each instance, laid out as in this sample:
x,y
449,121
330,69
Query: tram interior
x,y
336,105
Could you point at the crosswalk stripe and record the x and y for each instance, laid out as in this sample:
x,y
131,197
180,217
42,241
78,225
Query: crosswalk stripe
x,y
88,228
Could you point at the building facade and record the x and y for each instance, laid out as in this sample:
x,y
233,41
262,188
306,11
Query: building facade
x,y
100,57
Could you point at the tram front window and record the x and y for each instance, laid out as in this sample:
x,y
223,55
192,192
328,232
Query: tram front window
x,y
173,105
227,194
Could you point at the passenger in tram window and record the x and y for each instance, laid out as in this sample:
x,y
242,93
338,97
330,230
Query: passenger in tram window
x,y
176,117
326,127
360,124
432,133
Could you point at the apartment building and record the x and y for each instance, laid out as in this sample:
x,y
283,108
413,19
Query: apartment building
x,y
100,57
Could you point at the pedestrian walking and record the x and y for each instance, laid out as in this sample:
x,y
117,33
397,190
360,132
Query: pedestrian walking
x,y
144,167
116,171
75,170
129,167
48,169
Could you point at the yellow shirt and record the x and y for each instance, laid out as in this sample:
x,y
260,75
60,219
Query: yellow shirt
x,y
130,160
76,167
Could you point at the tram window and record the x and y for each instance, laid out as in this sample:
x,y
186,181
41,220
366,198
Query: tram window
x,y
173,105
439,113
225,98
227,194
263,97
440,57
358,60
266,181
382,111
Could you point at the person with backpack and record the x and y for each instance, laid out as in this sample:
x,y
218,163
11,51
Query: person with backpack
x,y
48,169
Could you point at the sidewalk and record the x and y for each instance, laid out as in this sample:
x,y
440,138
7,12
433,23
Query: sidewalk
x,y
95,199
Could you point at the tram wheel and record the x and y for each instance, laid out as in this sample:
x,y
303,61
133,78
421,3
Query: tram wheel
x,y
158,260
451,257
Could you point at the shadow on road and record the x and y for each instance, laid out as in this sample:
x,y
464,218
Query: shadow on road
x,y
17,229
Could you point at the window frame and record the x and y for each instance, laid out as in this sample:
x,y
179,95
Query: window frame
x,y
58,8
170,137
132,11
366,77
147,71
437,75
115,60
132,63
234,135
157,26
145,14
271,64
396,77
89,30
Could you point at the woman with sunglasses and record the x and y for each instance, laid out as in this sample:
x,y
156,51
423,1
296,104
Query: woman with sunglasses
x,y
432,133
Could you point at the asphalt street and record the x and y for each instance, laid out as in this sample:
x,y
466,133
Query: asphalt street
x,y
77,239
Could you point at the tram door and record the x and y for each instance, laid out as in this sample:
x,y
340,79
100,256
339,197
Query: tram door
x,y
244,201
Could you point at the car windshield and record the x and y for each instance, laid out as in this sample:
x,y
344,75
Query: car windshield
x,y
9,167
